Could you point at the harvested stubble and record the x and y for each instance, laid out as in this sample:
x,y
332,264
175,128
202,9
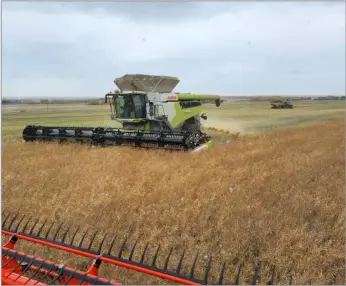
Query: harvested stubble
x,y
277,198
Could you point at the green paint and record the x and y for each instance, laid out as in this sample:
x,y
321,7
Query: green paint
x,y
183,114
147,127
197,97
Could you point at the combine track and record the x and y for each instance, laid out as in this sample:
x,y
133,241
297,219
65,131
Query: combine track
x,y
107,136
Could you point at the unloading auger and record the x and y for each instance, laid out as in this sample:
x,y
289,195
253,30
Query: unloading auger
x,y
151,115
19,268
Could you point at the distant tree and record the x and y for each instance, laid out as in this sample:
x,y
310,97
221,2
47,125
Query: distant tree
x,y
29,101
96,102
58,101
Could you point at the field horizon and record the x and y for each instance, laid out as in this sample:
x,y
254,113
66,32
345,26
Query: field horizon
x,y
237,116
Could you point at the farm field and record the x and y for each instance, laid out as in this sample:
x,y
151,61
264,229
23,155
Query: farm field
x,y
257,117
246,117
275,195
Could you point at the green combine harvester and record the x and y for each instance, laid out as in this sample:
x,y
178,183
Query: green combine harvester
x,y
281,104
152,116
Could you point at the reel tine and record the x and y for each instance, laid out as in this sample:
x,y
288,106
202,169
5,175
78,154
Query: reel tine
x,y
57,231
271,281
6,218
255,275
81,241
42,226
71,276
81,281
27,267
133,250
19,223
15,268
192,271
46,274
143,253
59,274
101,243
9,261
27,223
167,259
291,280
155,256
74,235
35,272
222,273
12,221
122,247
278,275
65,234
207,269
180,262
92,240
49,229
236,282
112,244
32,229
4,254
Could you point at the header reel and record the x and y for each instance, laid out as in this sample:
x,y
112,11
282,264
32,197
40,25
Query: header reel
x,y
22,268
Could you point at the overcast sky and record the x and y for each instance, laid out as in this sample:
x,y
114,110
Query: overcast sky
x,y
229,48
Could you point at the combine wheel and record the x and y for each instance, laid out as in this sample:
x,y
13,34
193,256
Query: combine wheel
x,y
29,131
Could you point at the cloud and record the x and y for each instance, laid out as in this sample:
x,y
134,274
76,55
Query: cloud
x,y
227,48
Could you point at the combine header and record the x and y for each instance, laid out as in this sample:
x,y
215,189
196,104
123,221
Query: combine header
x,y
19,268
151,115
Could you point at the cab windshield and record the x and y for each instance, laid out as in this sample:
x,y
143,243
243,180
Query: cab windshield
x,y
130,106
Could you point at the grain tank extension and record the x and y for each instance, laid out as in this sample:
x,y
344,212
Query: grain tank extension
x,y
151,115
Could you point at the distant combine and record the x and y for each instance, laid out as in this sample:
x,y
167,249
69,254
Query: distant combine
x,y
281,104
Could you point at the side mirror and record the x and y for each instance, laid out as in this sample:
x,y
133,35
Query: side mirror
x,y
218,102
204,116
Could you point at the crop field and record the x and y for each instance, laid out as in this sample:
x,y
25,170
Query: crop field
x,y
275,194
246,117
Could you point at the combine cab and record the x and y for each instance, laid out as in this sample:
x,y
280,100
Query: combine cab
x,y
281,104
151,115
